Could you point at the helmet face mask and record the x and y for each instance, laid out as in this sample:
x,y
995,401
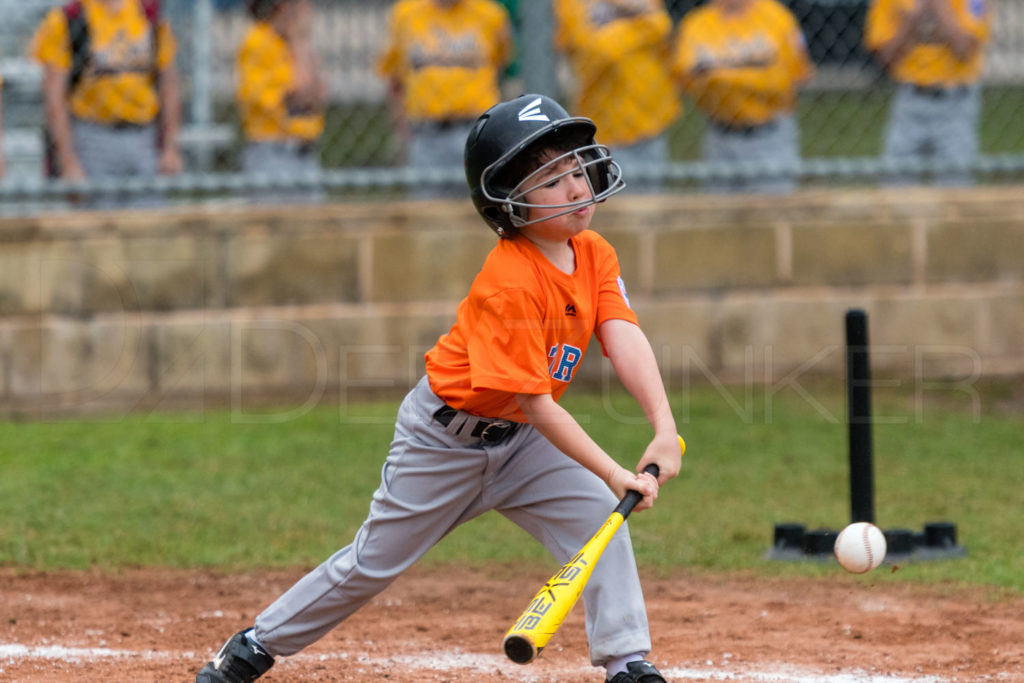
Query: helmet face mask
x,y
516,143
602,173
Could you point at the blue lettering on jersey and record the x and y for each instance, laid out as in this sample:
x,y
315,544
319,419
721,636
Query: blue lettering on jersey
x,y
566,365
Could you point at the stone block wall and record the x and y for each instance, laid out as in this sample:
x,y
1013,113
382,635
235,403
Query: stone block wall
x,y
113,312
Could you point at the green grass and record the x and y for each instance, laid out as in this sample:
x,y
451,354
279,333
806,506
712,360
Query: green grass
x,y
204,490
852,124
1001,113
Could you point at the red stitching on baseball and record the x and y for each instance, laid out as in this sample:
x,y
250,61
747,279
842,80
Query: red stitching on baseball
x,y
867,546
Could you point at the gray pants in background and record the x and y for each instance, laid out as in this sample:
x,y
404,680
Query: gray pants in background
x,y
777,142
289,161
431,483
940,127
106,151
639,162
434,146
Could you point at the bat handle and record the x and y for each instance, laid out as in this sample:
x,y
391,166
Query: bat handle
x,y
631,498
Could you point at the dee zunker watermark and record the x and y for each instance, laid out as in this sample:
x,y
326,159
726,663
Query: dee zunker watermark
x,y
750,387
273,371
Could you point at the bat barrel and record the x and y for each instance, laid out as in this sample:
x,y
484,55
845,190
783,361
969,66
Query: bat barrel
x,y
520,650
534,627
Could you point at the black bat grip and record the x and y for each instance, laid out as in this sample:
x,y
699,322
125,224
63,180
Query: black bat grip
x,y
631,498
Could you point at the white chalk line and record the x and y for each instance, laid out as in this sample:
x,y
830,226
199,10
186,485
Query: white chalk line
x,y
469,662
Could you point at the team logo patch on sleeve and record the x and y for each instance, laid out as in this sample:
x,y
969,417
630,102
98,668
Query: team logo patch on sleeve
x,y
622,289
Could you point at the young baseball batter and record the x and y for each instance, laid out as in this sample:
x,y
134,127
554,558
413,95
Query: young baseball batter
x,y
483,429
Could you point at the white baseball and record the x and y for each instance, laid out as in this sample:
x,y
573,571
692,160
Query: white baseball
x,y
860,547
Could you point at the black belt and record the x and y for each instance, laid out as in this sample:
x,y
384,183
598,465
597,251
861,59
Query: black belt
x,y
484,428
118,124
128,125
939,92
743,128
302,147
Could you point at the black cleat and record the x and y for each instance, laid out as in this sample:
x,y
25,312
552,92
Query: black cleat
x,y
638,672
239,661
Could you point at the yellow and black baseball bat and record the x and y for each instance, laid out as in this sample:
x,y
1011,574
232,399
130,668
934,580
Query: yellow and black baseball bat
x,y
552,604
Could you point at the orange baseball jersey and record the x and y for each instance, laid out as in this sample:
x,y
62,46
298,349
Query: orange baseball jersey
x,y
525,326
266,72
620,55
117,85
742,68
448,58
930,61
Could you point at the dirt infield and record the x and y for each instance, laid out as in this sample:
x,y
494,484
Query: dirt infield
x,y
161,625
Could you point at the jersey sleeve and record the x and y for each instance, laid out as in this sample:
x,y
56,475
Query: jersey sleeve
x,y
978,20
389,62
262,74
618,38
614,39
613,302
50,45
612,296
502,49
167,47
795,53
684,53
569,24
506,346
879,26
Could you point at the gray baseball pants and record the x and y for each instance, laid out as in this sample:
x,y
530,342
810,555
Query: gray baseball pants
x,y
285,160
431,483
942,128
434,146
777,142
106,152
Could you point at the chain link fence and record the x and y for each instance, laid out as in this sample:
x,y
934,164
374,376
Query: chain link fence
x,y
841,112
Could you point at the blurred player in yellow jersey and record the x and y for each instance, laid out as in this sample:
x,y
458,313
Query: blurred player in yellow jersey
x,y
743,61
281,94
619,50
443,62
933,49
113,104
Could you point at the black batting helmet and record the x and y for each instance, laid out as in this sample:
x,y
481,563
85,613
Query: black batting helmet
x,y
502,154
